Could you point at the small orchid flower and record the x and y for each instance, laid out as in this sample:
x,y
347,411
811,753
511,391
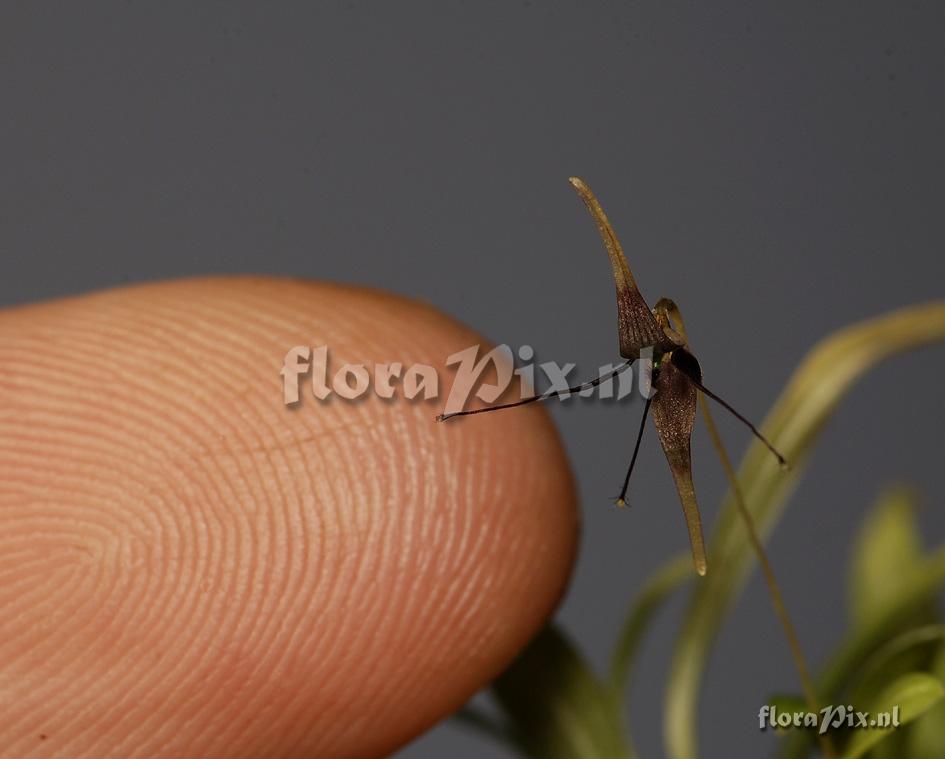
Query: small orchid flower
x,y
676,378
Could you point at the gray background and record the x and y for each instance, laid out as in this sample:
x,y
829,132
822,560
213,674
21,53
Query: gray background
x,y
776,168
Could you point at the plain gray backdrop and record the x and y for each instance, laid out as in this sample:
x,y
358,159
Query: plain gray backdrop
x,y
777,168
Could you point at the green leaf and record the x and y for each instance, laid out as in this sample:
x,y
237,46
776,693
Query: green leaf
x,y
914,595
927,735
557,708
921,588
912,695
886,551
890,747
793,425
657,588
906,652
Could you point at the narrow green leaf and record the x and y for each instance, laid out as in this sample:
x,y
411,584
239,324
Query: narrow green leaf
x,y
793,425
557,708
912,695
886,550
927,735
657,588
655,591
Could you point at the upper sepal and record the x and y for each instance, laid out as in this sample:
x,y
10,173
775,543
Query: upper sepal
x,y
637,328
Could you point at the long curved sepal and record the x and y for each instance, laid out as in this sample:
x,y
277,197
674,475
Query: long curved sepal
x,y
637,328
674,414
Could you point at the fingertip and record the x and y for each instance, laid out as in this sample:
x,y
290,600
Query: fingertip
x,y
328,579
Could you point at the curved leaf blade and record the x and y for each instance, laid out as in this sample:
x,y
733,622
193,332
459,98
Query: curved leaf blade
x,y
557,708
887,549
912,695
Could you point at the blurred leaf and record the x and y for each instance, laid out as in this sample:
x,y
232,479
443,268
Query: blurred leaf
x,y
557,707
894,658
861,642
657,588
927,734
890,747
913,694
915,594
793,425
916,591
887,549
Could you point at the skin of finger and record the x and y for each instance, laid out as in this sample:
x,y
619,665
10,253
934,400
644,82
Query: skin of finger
x,y
188,566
